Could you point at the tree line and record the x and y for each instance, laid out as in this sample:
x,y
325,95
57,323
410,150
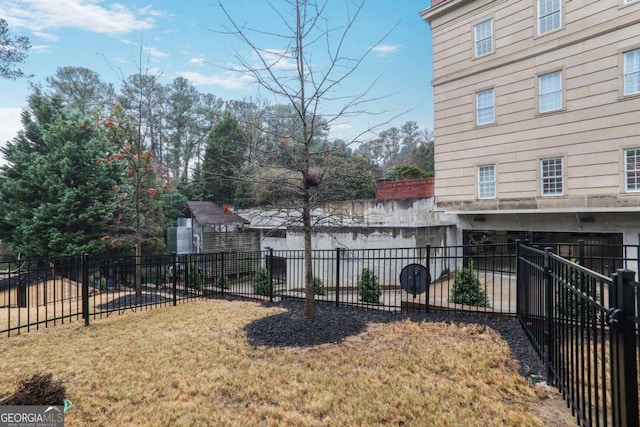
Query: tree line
x,y
95,169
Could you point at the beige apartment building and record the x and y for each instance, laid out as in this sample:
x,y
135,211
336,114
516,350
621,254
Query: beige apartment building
x,y
537,117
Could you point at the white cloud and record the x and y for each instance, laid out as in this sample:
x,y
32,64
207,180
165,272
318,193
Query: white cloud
x,y
147,10
386,49
155,53
89,15
278,59
40,48
10,124
227,80
46,36
197,61
340,127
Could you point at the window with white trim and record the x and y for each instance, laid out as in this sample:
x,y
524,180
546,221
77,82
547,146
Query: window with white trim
x,y
483,33
551,177
549,15
487,182
550,92
485,107
632,72
632,170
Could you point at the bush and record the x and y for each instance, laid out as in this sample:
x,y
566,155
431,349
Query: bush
x,y
194,276
369,287
318,286
401,172
100,283
467,288
262,282
222,282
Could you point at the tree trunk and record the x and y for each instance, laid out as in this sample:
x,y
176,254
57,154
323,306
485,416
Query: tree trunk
x,y
138,270
309,300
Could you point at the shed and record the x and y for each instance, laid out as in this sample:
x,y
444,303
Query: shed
x,y
212,228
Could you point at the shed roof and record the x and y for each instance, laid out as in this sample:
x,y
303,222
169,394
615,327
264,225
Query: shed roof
x,y
208,214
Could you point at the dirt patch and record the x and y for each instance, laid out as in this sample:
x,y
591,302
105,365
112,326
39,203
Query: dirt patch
x,y
553,410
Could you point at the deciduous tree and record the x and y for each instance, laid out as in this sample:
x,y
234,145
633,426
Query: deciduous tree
x,y
138,213
306,68
82,90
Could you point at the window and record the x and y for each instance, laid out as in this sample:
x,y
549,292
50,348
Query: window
x,y
549,16
550,92
628,1
487,182
632,170
551,174
632,72
484,107
484,37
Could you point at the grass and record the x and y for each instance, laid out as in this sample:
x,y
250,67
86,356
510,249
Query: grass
x,y
192,365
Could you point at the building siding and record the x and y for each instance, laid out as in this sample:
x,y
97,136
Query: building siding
x,y
591,130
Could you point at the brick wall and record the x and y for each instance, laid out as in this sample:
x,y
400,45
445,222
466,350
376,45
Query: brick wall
x,y
405,189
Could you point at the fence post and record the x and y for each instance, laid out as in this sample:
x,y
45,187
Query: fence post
x,y
22,289
338,251
624,375
581,252
222,272
175,278
186,279
548,322
428,265
270,268
85,288
519,279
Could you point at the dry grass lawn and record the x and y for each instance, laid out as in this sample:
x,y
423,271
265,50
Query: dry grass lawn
x,y
192,365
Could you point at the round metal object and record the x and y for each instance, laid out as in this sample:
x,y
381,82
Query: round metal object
x,y
415,278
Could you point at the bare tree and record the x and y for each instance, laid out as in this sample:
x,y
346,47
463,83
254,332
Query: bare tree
x,y
309,71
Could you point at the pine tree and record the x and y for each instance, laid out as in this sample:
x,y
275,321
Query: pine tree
x,y
54,197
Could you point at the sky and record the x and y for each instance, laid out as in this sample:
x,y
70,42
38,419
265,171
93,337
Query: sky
x,y
173,38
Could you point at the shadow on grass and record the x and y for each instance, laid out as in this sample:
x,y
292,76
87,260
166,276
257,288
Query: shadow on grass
x,y
130,300
291,329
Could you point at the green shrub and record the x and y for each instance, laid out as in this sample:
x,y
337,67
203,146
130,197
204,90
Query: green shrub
x,y
369,287
262,282
194,276
318,286
401,172
467,288
100,283
222,282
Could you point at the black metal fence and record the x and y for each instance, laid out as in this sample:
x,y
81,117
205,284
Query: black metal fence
x,y
584,325
42,292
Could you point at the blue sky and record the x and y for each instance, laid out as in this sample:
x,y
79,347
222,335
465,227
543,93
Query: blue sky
x,y
181,38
